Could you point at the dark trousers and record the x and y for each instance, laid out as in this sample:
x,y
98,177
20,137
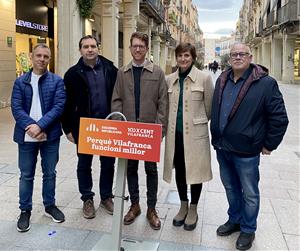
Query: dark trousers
x,y
151,182
84,175
180,173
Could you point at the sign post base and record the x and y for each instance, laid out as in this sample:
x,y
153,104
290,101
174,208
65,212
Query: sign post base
x,y
105,243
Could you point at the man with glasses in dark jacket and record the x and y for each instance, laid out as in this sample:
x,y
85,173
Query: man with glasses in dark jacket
x,y
248,118
37,103
89,86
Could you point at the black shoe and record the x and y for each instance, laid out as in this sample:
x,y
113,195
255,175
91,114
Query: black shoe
x,y
23,224
244,242
227,229
54,213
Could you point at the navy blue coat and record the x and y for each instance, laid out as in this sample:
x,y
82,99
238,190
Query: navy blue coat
x,y
78,94
52,98
258,118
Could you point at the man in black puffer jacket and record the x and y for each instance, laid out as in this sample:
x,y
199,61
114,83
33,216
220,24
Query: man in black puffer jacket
x,y
89,86
248,118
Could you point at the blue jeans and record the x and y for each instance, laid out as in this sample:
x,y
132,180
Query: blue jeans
x,y
240,177
84,175
28,153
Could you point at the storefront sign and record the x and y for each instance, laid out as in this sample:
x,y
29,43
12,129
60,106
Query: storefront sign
x,y
127,140
31,25
34,17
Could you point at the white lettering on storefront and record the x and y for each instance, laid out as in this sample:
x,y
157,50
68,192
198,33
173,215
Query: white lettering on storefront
x,y
31,25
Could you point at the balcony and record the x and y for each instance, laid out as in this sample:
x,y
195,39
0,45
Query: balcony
x,y
270,19
173,18
164,32
153,9
198,46
249,37
172,42
288,12
260,27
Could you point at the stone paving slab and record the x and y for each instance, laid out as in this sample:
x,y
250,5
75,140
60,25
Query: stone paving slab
x,y
287,213
39,237
4,177
293,241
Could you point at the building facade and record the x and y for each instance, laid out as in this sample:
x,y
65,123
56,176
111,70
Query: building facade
x,y
224,44
272,29
209,50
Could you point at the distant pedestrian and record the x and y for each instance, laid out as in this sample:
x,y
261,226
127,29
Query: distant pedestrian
x,y
248,118
187,147
215,66
38,99
89,86
209,66
140,94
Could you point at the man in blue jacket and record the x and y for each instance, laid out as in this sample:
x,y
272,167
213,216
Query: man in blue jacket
x,y
248,118
38,99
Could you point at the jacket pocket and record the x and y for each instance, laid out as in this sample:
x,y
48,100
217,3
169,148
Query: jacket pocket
x,y
197,92
200,128
151,79
170,95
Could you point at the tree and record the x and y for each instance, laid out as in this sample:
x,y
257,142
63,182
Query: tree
x,y
225,62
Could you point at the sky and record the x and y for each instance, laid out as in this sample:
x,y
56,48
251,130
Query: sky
x,y
217,17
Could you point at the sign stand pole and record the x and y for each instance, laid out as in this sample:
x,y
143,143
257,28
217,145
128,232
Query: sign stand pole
x,y
114,241
119,204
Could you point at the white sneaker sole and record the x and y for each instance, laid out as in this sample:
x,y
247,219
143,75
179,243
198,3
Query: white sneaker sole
x,y
55,220
24,230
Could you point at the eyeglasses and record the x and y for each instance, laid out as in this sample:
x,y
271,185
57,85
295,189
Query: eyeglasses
x,y
239,54
141,47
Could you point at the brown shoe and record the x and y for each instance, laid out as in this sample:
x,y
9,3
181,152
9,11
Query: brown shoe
x,y
153,219
133,212
89,209
108,205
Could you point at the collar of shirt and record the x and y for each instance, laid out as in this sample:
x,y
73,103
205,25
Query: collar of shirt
x,y
139,65
98,64
243,77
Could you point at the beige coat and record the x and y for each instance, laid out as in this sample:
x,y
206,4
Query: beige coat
x,y
153,95
197,99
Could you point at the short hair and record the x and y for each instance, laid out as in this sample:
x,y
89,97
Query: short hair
x,y
183,47
87,37
41,45
241,43
142,36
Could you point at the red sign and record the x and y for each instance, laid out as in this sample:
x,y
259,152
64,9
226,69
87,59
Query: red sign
x,y
121,139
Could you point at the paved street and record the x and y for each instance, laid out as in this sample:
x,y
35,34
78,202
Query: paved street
x,y
278,222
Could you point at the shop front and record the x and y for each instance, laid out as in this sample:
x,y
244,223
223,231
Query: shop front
x,y
297,60
34,24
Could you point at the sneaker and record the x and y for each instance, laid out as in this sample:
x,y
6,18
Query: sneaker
x,y
108,205
54,213
23,224
88,209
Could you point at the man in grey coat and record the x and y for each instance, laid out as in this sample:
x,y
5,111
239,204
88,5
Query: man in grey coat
x,y
140,93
